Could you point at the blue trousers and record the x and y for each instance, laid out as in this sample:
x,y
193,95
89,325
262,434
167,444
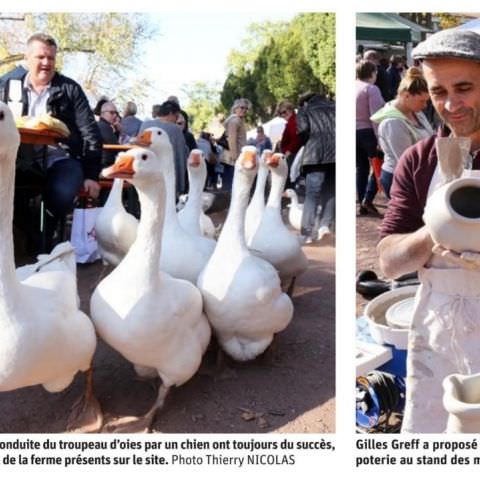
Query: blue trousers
x,y
386,179
319,192
227,177
59,186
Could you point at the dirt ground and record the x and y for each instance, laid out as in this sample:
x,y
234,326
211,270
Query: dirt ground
x,y
289,390
368,235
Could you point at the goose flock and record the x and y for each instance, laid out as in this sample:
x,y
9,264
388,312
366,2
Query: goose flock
x,y
187,286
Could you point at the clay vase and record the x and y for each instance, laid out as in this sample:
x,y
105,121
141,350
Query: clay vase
x,y
452,215
461,399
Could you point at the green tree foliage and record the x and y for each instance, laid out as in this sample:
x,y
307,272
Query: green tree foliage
x,y
257,36
203,100
445,20
287,74
239,85
317,37
106,45
282,61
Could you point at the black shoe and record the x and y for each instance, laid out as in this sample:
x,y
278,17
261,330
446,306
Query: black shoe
x,y
370,207
362,211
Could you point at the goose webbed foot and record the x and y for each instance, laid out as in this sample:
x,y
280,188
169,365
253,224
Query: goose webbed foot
x,y
218,369
86,415
141,424
222,370
288,288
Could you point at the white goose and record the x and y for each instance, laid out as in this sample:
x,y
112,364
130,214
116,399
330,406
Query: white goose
x,y
192,217
242,296
45,339
295,209
183,255
272,240
115,228
155,321
257,203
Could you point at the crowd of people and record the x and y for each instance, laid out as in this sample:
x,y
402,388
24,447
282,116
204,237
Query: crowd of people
x,y
62,170
391,115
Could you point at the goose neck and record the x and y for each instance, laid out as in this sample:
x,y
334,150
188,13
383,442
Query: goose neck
x,y
294,200
8,280
259,193
233,232
169,176
278,184
194,202
145,251
115,197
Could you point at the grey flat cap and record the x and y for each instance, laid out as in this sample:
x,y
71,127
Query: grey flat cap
x,y
453,42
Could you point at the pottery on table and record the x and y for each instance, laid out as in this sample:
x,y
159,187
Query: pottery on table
x,y
461,399
376,312
399,315
452,215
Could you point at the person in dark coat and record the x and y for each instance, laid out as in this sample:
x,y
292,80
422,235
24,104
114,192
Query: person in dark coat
x,y
394,74
182,122
316,131
382,81
63,169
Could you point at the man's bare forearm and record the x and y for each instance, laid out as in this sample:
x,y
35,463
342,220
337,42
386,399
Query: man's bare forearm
x,y
404,253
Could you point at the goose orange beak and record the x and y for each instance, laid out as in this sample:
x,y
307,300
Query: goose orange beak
x,y
195,159
273,161
144,139
122,168
249,159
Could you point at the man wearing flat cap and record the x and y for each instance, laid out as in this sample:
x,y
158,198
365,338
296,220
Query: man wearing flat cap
x,y
444,336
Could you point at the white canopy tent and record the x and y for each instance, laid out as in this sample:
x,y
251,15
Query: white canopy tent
x,y
273,129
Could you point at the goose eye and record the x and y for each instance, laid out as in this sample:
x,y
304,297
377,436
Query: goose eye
x,y
2,115
159,133
144,156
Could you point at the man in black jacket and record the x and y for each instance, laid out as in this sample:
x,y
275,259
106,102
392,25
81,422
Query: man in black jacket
x,y
316,130
75,161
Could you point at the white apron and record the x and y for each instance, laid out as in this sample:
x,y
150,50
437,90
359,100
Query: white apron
x,y
444,337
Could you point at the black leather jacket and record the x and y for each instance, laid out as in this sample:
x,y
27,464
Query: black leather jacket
x,y
316,129
68,103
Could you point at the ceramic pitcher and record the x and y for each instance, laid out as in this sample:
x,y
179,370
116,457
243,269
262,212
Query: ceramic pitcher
x,y
452,215
461,399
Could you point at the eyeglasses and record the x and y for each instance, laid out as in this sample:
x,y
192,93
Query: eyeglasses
x,y
283,112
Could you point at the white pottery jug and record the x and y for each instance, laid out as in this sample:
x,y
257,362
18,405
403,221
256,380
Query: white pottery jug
x,y
452,215
461,399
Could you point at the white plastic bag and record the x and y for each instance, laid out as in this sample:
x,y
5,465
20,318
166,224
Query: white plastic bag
x,y
83,237
296,166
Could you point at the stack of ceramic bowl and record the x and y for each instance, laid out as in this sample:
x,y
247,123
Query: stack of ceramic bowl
x,y
389,316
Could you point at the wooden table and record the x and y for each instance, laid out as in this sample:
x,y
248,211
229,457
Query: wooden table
x,y
36,136
118,148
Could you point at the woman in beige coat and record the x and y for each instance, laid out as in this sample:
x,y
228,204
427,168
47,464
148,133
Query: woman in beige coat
x,y
236,133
